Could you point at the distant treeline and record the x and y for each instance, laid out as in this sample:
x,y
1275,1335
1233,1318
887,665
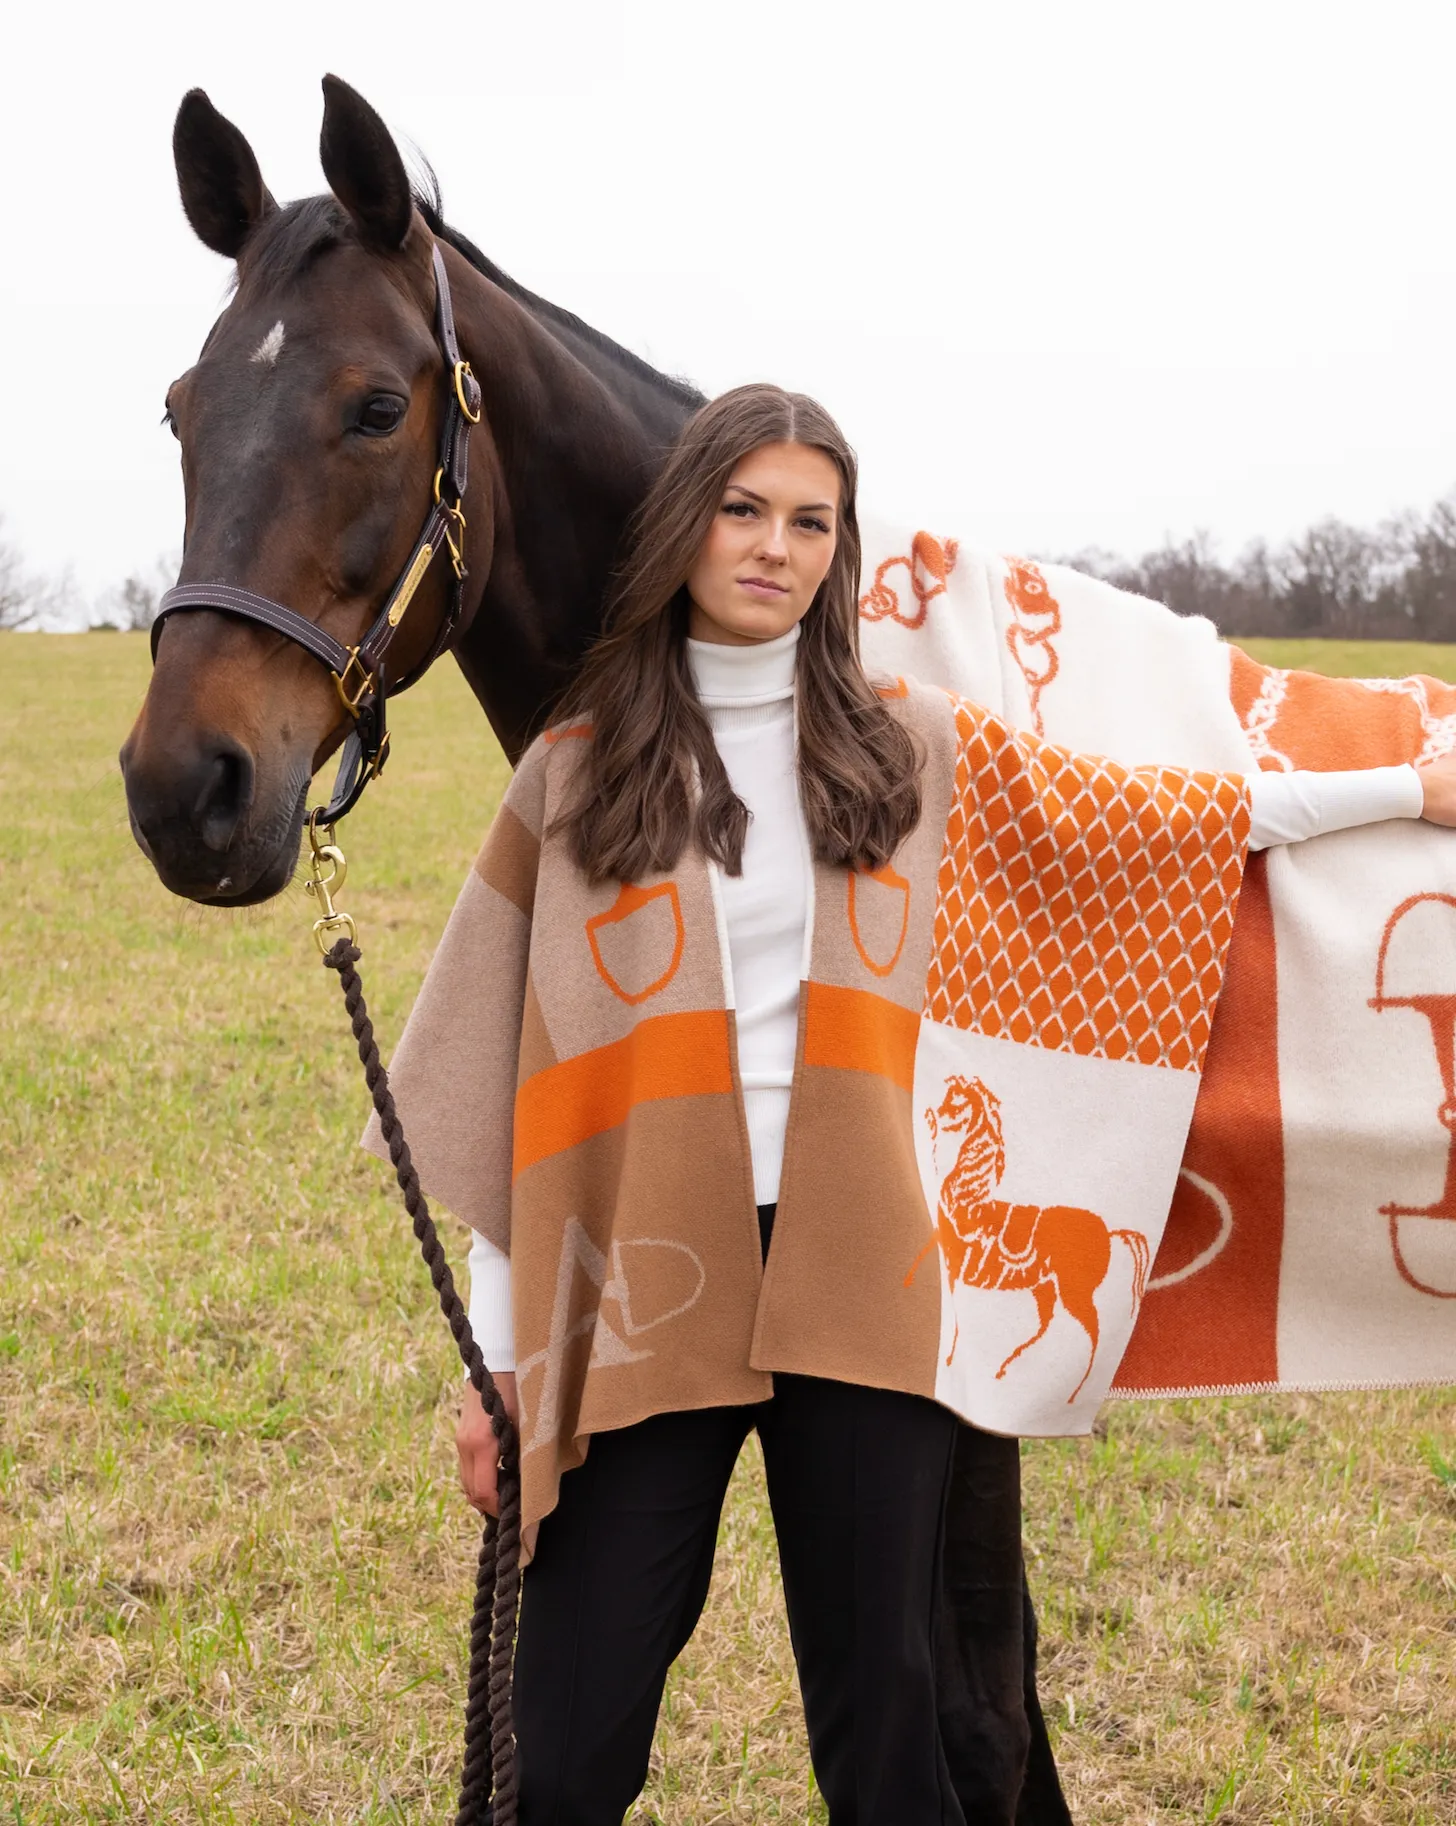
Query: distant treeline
x,y
1396,581
54,604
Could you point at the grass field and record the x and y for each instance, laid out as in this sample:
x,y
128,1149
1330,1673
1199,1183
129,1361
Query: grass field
x,y
234,1564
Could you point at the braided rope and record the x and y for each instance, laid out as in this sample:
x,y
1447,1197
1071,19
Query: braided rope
x,y
488,1774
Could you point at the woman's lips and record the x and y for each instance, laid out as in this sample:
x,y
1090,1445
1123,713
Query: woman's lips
x,y
760,586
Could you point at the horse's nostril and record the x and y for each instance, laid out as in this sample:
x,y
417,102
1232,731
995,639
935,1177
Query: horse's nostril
x,y
227,791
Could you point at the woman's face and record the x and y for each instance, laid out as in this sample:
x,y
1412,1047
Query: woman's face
x,y
769,546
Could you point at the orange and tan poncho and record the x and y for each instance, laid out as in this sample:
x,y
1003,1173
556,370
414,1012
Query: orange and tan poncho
x,y
1000,1040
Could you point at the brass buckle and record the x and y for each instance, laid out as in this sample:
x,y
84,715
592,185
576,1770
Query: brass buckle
x,y
462,368
456,539
343,685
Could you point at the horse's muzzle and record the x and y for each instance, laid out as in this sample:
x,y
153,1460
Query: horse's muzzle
x,y
192,805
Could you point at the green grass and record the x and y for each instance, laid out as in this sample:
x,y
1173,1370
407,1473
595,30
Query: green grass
x,y
234,1565
1358,658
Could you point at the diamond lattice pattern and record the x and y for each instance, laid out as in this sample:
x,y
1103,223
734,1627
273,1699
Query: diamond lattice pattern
x,y
1083,906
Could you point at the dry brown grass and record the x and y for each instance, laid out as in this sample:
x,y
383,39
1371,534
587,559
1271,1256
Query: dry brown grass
x,y
234,1569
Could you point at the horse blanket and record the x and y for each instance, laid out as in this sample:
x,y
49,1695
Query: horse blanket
x,y
1311,1242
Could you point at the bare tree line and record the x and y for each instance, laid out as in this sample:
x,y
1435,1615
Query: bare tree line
x,y
28,600
1395,581
31,600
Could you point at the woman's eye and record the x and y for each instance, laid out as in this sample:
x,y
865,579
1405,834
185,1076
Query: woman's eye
x,y
739,509
819,526
380,414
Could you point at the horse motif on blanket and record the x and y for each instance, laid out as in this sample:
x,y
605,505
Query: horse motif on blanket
x,y
1058,1253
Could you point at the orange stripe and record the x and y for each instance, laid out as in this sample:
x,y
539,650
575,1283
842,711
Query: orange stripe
x,y
859,1032
669,1055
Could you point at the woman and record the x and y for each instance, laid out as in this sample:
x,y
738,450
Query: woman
x,y
672,927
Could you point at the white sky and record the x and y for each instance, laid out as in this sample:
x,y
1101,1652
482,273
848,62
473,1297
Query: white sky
x,y
1066,273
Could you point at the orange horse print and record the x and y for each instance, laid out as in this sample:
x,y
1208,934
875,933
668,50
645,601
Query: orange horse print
x,y
1059,1253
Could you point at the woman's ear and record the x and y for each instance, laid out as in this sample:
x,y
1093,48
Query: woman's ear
x,y
363,166
223,193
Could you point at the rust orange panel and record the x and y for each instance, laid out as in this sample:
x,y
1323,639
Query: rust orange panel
x,y
1214,1320
857,1031
668,1055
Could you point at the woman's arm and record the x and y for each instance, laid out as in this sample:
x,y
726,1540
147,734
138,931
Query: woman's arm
x,y
490,1320
490,1303
1289,807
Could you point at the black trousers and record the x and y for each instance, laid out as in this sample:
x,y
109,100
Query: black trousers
x,y
857,1481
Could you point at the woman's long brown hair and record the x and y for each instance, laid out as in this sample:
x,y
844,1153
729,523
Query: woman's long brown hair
x,y
635,809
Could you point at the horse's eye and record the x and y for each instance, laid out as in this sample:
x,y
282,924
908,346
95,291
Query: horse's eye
x,y
170,422
380,414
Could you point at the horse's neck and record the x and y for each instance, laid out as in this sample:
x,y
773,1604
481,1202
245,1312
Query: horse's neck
x,y
972,1179
574,440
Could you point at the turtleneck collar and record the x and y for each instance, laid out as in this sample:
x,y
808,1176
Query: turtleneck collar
x,y
742,677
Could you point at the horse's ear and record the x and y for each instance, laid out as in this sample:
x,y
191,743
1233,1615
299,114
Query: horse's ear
x,y
363,166
223,193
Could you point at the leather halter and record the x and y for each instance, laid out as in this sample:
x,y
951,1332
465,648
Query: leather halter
x,y
358,672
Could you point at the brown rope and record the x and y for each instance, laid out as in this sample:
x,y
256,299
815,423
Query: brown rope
x,y
488,1774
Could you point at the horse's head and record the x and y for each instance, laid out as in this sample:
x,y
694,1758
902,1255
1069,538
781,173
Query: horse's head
x,y
309,428
968,1109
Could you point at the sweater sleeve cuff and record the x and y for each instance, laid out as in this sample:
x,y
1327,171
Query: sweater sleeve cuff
x,y
490,1303
1288,807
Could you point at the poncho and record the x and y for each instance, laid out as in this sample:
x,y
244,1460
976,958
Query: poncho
x,y
1000,1039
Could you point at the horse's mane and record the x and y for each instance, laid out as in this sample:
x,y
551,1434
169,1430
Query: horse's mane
x,y
291,238
426,188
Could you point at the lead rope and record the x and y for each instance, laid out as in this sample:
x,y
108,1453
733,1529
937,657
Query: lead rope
x,y
488,1773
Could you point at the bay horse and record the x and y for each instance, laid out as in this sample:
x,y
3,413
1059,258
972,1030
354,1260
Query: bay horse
x,y
309,427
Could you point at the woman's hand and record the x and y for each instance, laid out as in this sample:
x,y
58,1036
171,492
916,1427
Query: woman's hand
x,y
1438,782
475,1442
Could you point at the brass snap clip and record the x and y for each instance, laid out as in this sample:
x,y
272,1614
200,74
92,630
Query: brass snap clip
x,y
326,854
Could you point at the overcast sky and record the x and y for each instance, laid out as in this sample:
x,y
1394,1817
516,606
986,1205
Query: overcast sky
x,y
1067,274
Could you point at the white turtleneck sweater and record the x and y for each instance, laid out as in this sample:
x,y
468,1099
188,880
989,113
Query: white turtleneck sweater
x,y
767,909
748,693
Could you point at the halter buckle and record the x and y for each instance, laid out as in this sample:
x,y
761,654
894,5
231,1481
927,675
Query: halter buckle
x,y
344,684
462,374
454,539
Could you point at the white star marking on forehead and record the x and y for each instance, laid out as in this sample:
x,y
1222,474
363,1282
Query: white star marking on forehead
x,y
271,347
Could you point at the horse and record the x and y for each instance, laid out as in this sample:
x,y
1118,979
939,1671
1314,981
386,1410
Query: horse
x,y
1058,1253
309,429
